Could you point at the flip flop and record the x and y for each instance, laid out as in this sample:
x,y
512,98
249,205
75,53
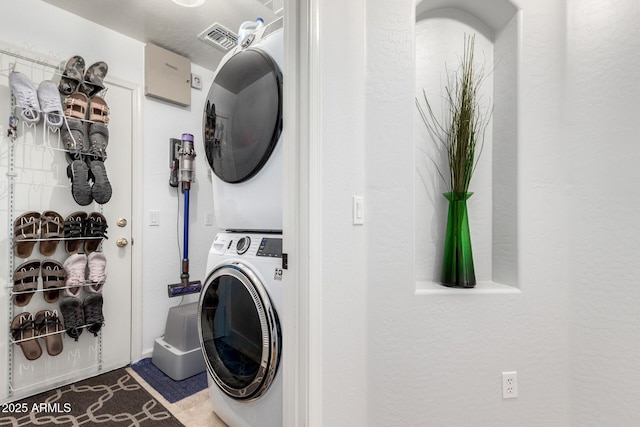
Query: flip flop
x,y
76,105
25,282
23,331
50,328
95,228
74,231
53,280
98,110
51,228
25,231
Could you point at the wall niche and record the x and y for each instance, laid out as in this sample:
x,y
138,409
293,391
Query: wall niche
x,y
441,26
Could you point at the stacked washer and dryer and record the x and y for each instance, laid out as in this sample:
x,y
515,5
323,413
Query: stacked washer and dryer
x,y
240,302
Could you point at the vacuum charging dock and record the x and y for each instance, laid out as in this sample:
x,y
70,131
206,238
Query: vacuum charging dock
x,y
178,352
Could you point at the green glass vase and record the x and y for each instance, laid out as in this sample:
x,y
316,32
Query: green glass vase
x,y
457,263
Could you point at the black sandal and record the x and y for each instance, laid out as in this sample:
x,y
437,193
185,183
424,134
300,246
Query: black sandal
x,y
73,231
96,229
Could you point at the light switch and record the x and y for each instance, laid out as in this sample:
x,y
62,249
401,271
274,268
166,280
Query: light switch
x,y
154,218
358,210
208,219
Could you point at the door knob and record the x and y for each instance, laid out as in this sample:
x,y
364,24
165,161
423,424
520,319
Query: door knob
x,y
122,242
121,222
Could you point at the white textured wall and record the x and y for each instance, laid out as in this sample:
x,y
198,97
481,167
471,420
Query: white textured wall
x,y
601,140
344,256
435,360
162,245
43,28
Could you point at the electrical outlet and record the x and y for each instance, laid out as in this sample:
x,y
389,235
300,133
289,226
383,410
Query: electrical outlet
x,y
509,385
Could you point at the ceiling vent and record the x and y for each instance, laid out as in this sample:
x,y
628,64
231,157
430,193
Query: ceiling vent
x,y
220,37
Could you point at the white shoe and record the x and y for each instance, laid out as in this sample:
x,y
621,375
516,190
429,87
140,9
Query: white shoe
x,y
26,96
97,263
75,267
50,104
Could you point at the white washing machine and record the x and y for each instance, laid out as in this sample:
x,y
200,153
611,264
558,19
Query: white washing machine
x,y
239,329
242,132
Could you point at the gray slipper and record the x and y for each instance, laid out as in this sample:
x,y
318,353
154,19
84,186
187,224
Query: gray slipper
x,y
101,189
94,79
72,75
78,172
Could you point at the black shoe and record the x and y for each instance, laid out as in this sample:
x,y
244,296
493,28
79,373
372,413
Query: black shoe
x,y
78,172
93,317
73,316
101,189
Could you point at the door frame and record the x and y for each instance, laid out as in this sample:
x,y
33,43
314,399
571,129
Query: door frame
x,y
302,215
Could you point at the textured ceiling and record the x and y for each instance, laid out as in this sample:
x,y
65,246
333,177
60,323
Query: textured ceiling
x,y
168,25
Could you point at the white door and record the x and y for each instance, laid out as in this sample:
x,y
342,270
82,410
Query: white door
x,y
40,183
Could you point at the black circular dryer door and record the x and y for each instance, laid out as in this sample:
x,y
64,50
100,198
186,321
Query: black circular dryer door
x,y
239,332
243,115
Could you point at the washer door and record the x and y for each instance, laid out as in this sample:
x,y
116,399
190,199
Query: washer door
x,y
239,332
243,115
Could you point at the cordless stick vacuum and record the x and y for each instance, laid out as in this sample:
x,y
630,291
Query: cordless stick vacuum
x,y
183,157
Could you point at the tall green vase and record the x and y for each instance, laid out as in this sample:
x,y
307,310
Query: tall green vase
x,y
457,264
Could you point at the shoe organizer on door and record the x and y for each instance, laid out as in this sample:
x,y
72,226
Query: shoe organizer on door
x,y
54,193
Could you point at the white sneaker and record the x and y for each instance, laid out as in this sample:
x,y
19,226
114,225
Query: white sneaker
x,y
97,263
75,267
50,104
26,96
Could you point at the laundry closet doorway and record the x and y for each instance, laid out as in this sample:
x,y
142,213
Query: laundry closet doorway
x,y
35,164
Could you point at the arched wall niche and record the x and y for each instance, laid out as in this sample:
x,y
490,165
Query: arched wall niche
x,y
439,35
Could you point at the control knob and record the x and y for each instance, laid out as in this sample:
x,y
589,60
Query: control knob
x,y
243,245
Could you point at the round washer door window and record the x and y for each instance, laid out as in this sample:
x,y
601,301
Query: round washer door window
x,y
239,332
243,115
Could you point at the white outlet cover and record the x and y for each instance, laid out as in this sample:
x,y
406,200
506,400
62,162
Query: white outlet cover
x,y
509,385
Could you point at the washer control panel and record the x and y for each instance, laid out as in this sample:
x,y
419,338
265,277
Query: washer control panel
x,y
270,247
259,245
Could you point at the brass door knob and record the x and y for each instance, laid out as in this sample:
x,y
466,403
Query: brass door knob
x,y
121,222
122,242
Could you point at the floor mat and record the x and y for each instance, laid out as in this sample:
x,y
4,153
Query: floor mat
x,y
169,389
110,399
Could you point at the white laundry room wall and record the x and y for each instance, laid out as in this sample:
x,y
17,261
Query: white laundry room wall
x,y
38,26
601,146
436,357
570,325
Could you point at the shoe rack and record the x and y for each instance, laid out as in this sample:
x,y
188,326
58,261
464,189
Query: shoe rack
x,y
36,177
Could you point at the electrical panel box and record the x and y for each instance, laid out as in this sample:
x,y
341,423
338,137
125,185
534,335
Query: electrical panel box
x,y
167,75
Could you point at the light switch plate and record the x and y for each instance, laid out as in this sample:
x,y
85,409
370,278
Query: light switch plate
x,y
358,210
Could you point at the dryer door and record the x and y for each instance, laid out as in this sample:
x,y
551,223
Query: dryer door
x,y
239,332
243,115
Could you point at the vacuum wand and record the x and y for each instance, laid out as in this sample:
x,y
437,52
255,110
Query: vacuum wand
x,y
184,156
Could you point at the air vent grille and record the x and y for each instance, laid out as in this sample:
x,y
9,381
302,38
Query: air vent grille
x,y
220,37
